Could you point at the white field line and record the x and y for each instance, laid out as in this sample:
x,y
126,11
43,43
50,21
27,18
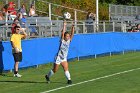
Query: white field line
x,y
119,73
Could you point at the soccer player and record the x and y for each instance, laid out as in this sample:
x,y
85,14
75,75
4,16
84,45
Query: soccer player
x,y
16,47
62,54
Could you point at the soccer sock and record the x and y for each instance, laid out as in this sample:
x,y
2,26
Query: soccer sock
x,y
15,72
67,74
50,73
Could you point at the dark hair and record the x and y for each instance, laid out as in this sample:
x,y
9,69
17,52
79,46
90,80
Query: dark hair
x,y
16,27
16,19
66,33
88,15
31,5
23,5
137,25
134,28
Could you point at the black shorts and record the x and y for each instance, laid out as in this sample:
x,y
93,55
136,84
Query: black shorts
x,y
17,57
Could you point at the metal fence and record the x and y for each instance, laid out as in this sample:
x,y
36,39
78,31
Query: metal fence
x,y
54,27
123,10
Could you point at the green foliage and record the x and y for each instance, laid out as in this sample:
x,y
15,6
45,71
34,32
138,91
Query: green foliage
x,y
85,5
42,7
89,6
1,4
103,11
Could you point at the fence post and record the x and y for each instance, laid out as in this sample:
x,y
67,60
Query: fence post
x,y
50,12
6,1
94,25
110,54
103,26
123,27
75,19
113,26
6,19
37,66
51,29
97,15
18,4
109,11
78,58
39,27
123,52
84,27
95,56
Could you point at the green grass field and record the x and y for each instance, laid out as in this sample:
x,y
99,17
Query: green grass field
x,y
33,80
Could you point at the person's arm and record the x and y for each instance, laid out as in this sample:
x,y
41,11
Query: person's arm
x,y
72,31
12,44
63,30
30,12
24,35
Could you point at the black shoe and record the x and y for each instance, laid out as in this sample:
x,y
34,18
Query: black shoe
x,y
47,79
69,82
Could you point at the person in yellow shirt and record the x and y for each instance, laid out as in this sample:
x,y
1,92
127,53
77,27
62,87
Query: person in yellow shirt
x,y
16,47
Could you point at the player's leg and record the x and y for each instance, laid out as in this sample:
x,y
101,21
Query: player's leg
x,y
66,70
16,67
17,58
52,71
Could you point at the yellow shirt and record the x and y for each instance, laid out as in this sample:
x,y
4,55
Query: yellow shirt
x,y
16,39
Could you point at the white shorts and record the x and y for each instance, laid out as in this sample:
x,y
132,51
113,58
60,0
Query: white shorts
x,y
59,60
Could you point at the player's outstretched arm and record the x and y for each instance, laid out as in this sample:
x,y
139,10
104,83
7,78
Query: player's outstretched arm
x,y
63,30
72,31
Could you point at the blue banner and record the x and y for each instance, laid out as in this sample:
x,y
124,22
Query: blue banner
x,y
44,50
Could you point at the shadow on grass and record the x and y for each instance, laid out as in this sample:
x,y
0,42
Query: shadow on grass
x,y
10,81
14,81
4,75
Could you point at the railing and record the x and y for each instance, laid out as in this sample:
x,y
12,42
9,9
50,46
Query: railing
x,y
119,11
53,28
51,5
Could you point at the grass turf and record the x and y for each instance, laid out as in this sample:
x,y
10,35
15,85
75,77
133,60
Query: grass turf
x,y
33,80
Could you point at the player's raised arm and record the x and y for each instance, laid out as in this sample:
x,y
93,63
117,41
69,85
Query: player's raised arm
x,y
72,31
24,33
63,30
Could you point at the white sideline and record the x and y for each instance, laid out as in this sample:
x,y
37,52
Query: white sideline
x,y
91,80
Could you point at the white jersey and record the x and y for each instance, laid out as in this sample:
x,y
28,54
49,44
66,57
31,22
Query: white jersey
x,y
64,48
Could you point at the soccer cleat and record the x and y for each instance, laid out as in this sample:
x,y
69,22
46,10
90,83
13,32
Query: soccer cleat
x,y
69,82
47,79
17,75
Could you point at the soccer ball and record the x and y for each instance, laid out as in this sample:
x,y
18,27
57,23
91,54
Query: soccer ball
x,y
67,15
